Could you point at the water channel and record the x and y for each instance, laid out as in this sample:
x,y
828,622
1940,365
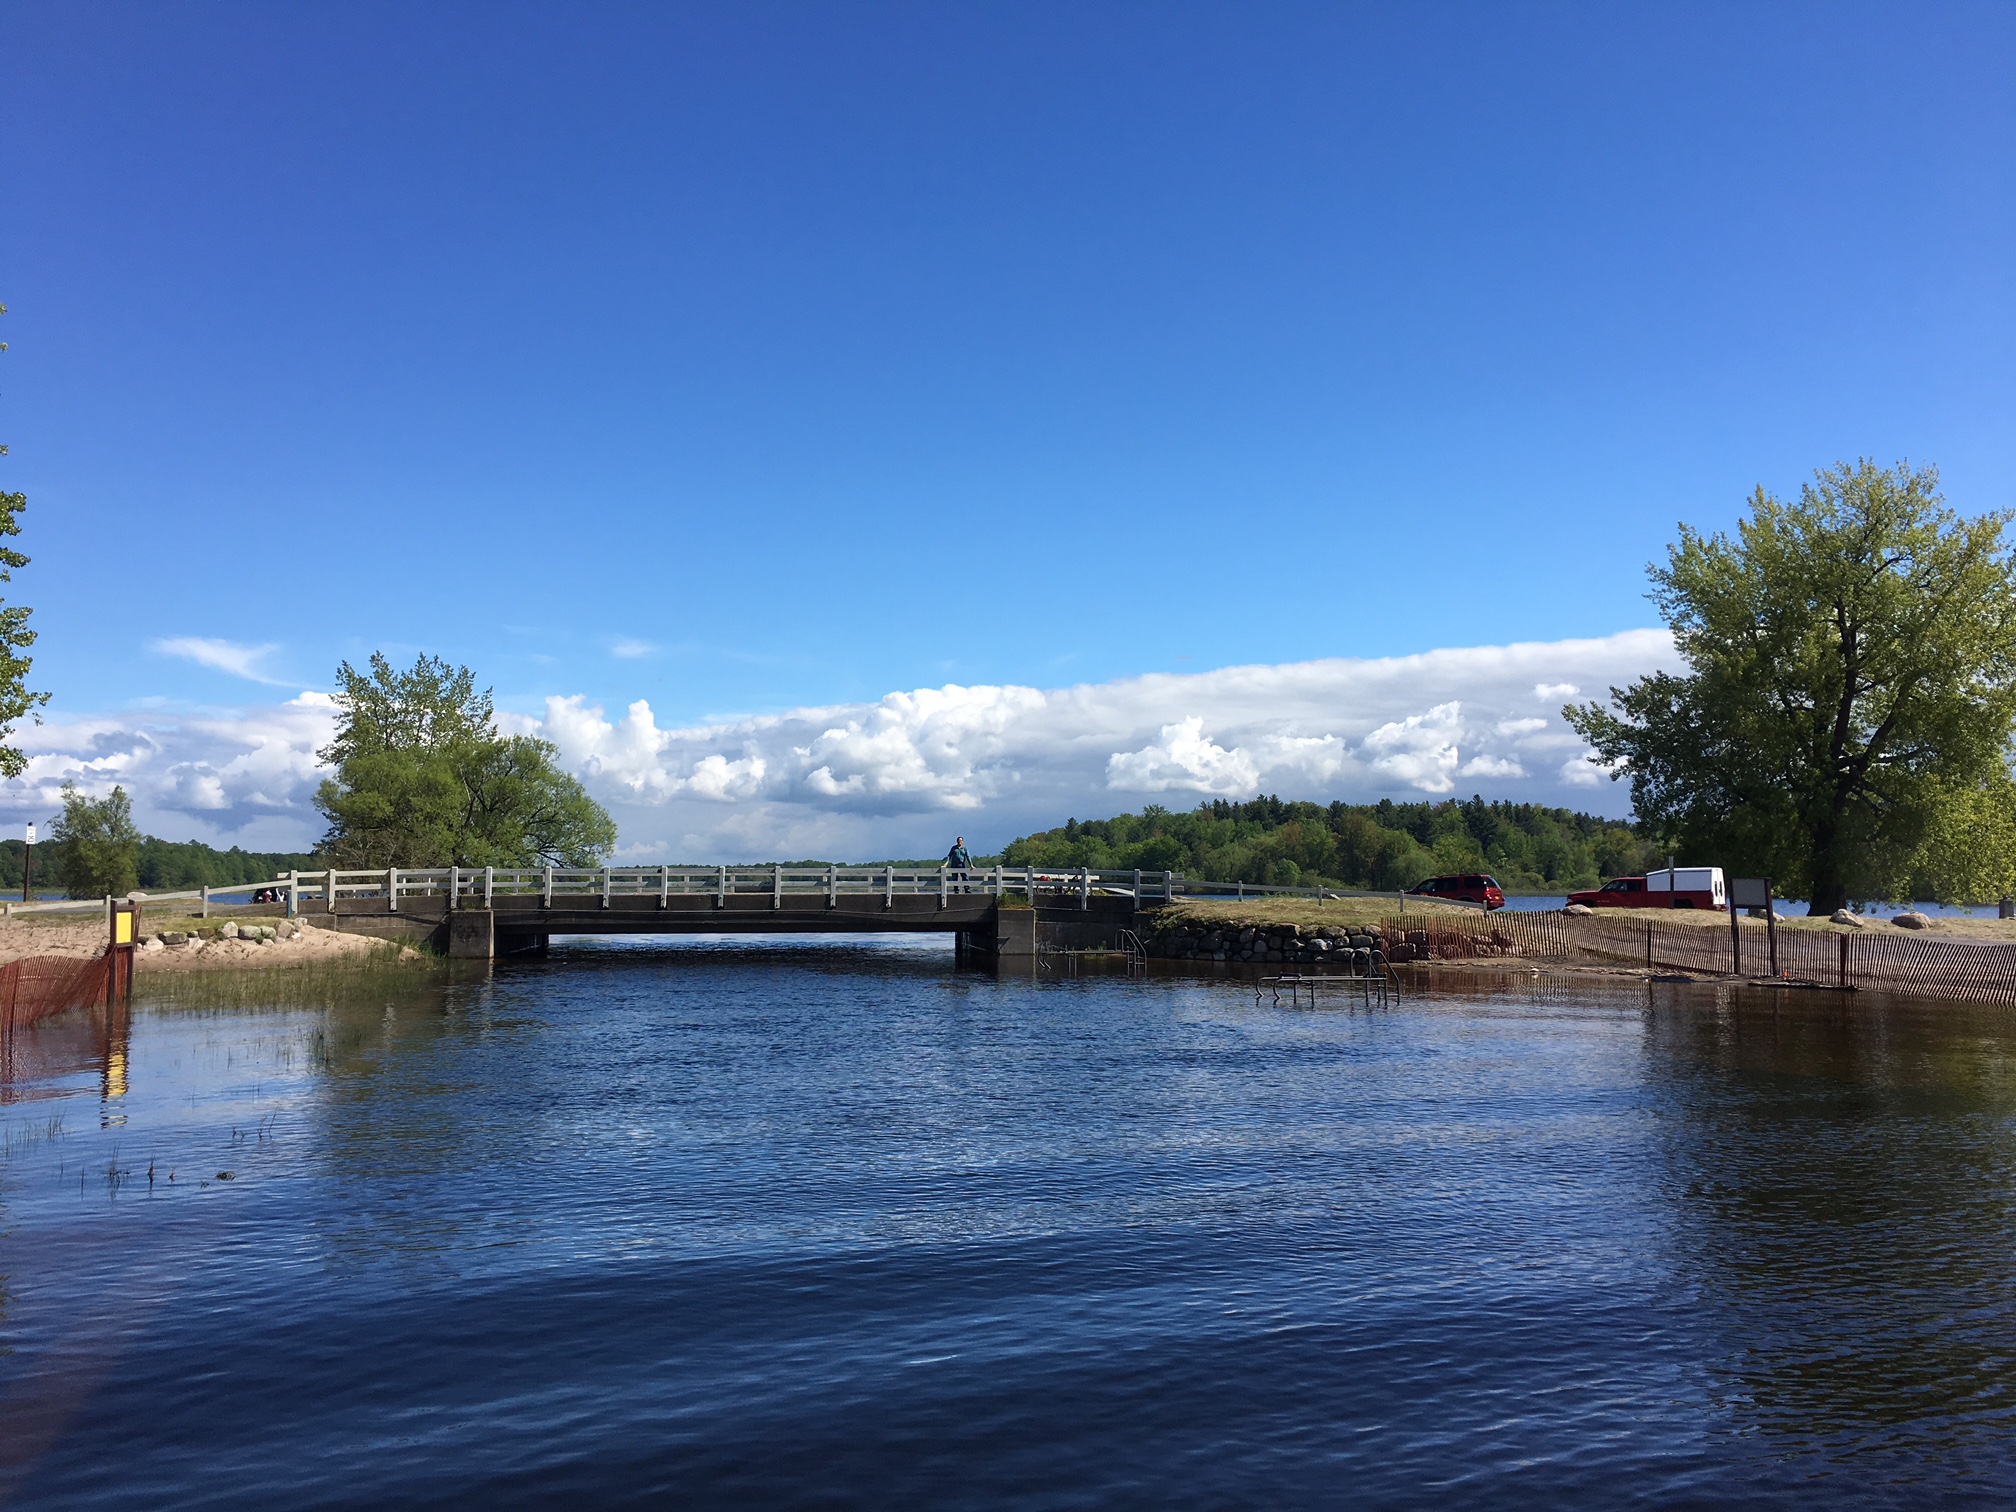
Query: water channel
x,y
818,1223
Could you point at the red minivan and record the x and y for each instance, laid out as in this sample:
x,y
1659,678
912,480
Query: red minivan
x,y
1469,888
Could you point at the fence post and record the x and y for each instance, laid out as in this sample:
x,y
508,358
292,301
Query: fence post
x,y
1242,892
206,900
664,887
832,885
293,894
329,886
392,888
489,884
605,887
1843,983
1084,887
889,887
1735,942
941,886
546,894
1137,889
454,886
721,889
777,887
1648,944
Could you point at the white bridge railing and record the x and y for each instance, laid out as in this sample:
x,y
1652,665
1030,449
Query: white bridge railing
x,y
568,886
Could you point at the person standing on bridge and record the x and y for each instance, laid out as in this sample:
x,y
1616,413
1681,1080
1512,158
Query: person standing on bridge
x,y
959,859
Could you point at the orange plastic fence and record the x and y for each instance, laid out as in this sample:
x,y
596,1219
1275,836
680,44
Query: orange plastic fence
x,y
37,986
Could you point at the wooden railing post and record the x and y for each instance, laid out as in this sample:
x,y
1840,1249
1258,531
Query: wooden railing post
x,y
546,897
889,887
832,885
1168,887
454,885
489,885
721,891
664,887
206,900
392,888
1137,887
943,878
1084,887
777,888
605,887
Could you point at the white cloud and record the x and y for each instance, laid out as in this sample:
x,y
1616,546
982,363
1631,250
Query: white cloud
x,y
247,778
1184,758
632,649
1580,771
1547,692
221,656
869,780
1421,749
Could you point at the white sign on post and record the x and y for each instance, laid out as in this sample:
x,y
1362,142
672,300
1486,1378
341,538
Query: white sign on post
x,y
31,834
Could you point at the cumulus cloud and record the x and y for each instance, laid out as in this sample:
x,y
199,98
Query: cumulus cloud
x,y
630,650
884,778
246,777
221,655
1184,758
1421,750
1548,692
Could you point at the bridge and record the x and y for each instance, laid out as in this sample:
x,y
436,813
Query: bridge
x,y
995,913
992,912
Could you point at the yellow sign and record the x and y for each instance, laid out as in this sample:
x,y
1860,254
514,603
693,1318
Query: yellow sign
x,y
122,927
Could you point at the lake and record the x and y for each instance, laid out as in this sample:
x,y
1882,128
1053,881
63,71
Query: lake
x,y
818,1223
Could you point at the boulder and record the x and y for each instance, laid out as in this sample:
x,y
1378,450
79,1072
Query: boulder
x,y
1911,919
1842,916
154,944
1580,910
228,930
174,938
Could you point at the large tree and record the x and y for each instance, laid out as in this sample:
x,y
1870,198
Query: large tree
x,y
1851,689
97,844
16,702
423,778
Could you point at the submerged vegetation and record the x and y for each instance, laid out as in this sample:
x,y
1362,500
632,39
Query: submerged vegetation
x,y
1384,846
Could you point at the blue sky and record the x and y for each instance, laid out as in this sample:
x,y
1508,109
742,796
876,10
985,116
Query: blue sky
x,y
743,359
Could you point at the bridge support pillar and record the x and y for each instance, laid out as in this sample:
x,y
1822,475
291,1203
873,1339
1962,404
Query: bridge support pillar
x,y
472,934
1013,936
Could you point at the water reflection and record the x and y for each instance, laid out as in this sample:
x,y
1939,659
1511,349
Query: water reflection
x,y
1843,1171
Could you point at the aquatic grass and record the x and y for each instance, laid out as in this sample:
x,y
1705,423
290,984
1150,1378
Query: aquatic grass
x,y
317,984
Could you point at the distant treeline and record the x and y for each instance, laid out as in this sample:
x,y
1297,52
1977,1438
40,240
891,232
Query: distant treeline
x,y
1379,846
165,865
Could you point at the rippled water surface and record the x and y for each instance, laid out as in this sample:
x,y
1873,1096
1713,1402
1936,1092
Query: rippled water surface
x,y
821,1224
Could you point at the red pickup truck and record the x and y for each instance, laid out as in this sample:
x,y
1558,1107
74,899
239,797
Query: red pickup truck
x,y
1679,887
